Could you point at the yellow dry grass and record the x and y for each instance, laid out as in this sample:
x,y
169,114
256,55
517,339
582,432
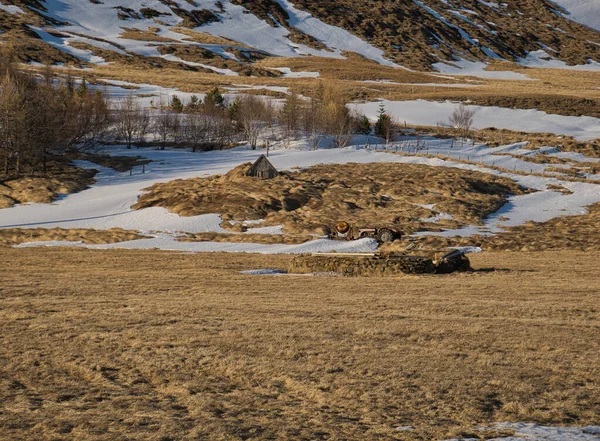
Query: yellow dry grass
x,y
313,200
247,237
147,345
62,178
144,35
15,236
204,38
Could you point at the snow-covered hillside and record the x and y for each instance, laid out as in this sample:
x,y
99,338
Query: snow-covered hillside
x,y
105,22
416,34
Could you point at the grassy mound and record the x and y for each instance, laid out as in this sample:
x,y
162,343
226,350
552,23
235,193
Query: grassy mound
x,y
314,199
268,239
16,236
62,178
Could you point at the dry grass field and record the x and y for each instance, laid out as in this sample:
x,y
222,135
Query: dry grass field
x,y
148,345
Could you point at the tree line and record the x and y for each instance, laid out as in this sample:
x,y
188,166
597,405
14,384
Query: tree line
x,y
41,116
215,121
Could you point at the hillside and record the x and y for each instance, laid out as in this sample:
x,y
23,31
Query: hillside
x,y
228,37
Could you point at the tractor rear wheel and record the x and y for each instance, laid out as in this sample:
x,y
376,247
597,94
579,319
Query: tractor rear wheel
x,y
384,235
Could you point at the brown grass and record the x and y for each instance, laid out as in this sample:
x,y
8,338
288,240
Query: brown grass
x,y
15,236
314,199
146,345
578,233
204,38
144,35
61,178
117,163
247,237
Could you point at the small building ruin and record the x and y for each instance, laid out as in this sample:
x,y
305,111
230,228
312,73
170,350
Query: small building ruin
x,y
262,169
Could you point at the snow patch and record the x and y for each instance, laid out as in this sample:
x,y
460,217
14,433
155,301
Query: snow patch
x,y
264,272
287,73
476,69
535,432
11,9
586,12
541,59
429,113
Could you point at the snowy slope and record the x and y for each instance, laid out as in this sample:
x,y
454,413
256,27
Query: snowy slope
x,y
101,21
460,35
586,12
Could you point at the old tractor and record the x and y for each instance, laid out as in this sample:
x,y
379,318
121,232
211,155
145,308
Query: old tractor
x,y
343,230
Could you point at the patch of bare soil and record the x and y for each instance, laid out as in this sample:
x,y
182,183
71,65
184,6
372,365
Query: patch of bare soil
x,y
314,199
62,178
15,236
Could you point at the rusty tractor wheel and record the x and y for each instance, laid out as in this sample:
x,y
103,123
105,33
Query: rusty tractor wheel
x,y
384,235
342,227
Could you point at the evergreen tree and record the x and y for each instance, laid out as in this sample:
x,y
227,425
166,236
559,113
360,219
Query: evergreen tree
x,y
214,98
176,104
194,105
383,121
364,126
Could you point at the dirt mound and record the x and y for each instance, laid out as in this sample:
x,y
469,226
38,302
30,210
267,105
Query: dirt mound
x,y
16,236
409,197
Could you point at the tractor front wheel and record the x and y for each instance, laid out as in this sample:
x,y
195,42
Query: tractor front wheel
x,y
385,235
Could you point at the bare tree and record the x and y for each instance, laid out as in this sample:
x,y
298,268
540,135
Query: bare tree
x,y
39,118
131,120
196,129
221,129
254,115
163,127
462,120
290,116
312,123
13,123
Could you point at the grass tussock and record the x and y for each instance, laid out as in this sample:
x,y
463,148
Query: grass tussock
x,y
149,345
61,178
15,236
284,239
314,199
